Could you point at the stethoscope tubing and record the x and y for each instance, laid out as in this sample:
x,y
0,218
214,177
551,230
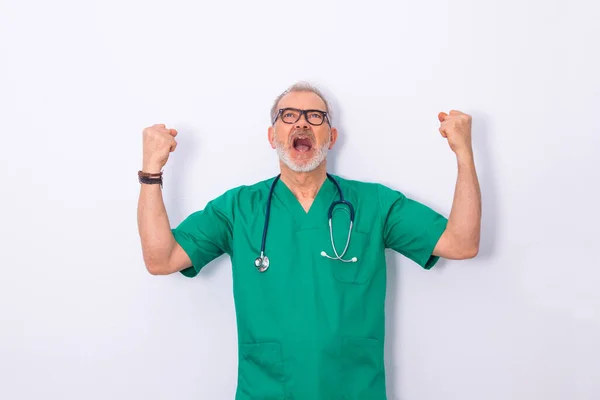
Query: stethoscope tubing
x,y
262,262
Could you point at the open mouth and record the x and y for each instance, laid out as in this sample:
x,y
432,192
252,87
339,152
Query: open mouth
x,y
302,144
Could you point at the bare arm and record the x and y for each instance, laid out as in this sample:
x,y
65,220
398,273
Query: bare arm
x,y
460,240
162,254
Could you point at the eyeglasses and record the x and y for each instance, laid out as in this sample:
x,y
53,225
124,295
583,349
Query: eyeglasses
x,y
292,115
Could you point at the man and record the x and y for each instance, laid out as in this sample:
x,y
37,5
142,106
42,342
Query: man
x,y
309,290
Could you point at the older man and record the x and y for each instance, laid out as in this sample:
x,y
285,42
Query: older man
x,y
308,252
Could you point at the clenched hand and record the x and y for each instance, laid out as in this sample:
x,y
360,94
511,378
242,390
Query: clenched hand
x,y
158,143
456,127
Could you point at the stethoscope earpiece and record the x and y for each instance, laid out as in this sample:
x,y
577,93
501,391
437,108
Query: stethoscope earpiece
x,y
353,259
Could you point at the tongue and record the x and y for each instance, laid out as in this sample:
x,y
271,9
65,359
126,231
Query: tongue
x,y
302,144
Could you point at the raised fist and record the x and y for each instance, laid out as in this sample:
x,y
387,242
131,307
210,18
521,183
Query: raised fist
x,y
456,127
158,142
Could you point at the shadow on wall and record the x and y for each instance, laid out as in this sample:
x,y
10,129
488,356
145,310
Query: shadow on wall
x,y
391,303
490,220
338,123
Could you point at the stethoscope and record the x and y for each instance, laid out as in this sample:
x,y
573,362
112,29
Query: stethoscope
x,y
262,262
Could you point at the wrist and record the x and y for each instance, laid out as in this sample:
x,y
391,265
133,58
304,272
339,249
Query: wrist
x,y
465,155
152,169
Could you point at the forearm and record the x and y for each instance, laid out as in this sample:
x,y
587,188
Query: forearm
x,y
464,222
154,228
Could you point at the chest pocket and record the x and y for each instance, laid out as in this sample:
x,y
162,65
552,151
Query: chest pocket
x,y
348,271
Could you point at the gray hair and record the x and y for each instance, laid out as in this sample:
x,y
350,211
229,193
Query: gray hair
x,y
299,87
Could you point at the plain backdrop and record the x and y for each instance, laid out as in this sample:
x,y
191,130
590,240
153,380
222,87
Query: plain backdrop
x,y
80,318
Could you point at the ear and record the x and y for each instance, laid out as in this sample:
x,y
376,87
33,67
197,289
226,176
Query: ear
x,y
271,136
334,135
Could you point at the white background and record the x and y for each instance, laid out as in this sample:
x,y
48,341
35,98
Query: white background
x,y
82,319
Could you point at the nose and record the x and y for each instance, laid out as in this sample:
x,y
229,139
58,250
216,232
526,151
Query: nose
x,y
302,123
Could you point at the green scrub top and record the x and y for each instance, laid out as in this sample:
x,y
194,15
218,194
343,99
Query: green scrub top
x,y
309,327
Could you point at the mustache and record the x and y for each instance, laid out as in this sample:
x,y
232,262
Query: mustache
x,y
302,132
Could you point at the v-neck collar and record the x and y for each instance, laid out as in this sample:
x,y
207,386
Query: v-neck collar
x,y
317,210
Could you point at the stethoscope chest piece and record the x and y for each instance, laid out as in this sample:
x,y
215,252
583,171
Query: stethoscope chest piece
x,y
261,263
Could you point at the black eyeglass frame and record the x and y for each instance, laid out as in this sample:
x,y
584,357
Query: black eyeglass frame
x,y
300,113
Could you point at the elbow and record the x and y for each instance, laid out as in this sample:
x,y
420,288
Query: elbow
x,y
152,269
156,268
470,252
157,262
455,247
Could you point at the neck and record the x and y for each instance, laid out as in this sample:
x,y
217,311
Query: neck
x,y
304,185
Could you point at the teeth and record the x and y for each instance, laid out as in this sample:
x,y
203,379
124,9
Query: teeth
x,y
299,138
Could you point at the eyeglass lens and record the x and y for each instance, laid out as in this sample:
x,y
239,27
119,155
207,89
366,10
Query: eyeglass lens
x,y
290,116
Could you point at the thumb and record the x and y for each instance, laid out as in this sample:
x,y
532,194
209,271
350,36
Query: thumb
x,y
442,116
173,132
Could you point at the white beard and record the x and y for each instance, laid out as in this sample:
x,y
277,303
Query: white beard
x,y
305,166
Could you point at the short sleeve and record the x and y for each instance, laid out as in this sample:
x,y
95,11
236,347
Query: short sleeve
x,y
411,228
206,234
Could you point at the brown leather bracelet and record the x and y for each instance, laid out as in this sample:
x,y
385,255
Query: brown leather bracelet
x,y
149,174
150,180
